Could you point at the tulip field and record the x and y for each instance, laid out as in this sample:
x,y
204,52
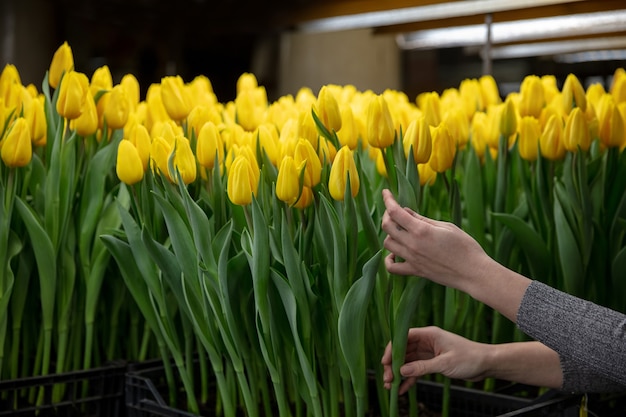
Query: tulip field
x,y
246,234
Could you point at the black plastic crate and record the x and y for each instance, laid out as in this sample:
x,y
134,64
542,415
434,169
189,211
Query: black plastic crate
x,y
145,383
97,392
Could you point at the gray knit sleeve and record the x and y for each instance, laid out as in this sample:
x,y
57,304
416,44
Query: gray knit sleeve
x,y
590,339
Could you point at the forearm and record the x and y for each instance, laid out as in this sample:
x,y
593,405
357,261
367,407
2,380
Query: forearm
x,y
529,363
496,286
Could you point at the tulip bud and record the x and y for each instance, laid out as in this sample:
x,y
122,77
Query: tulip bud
x,y
242,181
380,130
528,139
471,97
9,76
550,141
184,160
155,109
175,97
430,105
381,168
576,133
508,118
62,62
36,117
101,80
489,90
268,142
306,198
246,81
618,86
418,140
573,94
326,151
458,125
160,151
72,94
443,148
611,123
117,108
327,110
87,123
288,182
343,170
140,137
478,134
348,135
129,167
550,88
307,128
209,146
17,149
427,174
532,96
304,152
248,114
130,84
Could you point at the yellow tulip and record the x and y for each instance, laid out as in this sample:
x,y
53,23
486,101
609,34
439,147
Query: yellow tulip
x,y
427,174
550,88
489,90
378,156
326,151
268,142
417,139
201,92
478,134
117,108
348,134
250,153
576,133
209,146
242,181
197,117
160,151
306,198
343,170
327,109
304,153
528,139
508,118
458,125
611,123
307,128
550,141
140,137
72,94
62,62
184,160
129,167
248,113
430,105
532,96
443,148
246,81
618,86
288,181
155,109
471,97
594,93
8,76
573,94
130,84
87,123
101,80
16,147
36,117
175,97
380,129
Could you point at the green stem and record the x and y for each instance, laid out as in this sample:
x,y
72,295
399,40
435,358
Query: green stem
x,y
59,389
445,402
47,348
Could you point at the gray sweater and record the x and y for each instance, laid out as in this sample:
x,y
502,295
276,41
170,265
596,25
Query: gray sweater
x,y
590,339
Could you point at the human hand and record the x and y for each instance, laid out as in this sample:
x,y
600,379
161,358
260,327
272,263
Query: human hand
x,y
433,350
437,250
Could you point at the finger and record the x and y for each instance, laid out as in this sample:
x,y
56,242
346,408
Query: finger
x,y
386,359
406,384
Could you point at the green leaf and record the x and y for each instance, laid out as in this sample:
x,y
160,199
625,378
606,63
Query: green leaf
x,y
45,258
533,245
569,255
351,324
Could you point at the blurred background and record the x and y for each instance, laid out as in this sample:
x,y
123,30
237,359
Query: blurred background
x,y
412,46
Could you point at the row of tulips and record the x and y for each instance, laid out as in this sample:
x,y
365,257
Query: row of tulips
x,y
247,233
